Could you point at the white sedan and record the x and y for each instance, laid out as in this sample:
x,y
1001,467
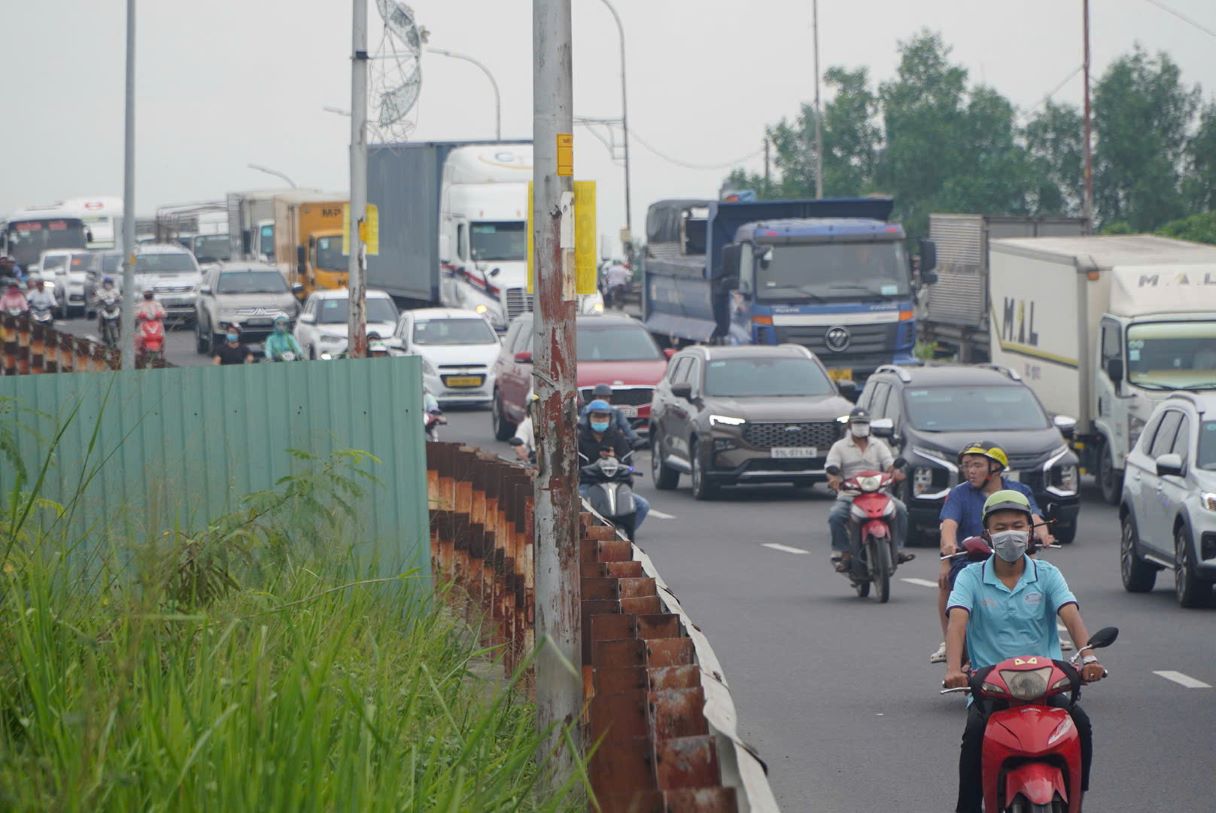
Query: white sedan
x,y
458,349
321,328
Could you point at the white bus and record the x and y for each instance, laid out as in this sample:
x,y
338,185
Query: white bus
x,y
102,216
25,234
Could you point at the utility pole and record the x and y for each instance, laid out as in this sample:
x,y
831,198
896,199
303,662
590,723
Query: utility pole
x,y
1088,203
127,333
767,141
356,343
818,115
559,687
624,115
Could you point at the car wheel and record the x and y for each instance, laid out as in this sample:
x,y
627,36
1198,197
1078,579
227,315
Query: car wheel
x,y
1110,480
665,477
201,345
503,429
702,488
1190,589
1138,575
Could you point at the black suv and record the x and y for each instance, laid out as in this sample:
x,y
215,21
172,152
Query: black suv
x,y
934,411
752,414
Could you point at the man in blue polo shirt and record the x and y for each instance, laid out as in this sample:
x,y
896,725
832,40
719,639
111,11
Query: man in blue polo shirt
x,y
1002,608
982,465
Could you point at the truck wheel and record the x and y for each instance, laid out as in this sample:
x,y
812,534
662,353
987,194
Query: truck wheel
x,y
1138,575
1110,479
665,477
503,429
702,488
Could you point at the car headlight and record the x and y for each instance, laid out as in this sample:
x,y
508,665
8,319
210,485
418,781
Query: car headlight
x,y
1028,685
1135,425
1066,477
726,420
922,480
328,339
482,309
1208,500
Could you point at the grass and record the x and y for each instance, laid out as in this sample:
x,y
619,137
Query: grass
x,y
253,665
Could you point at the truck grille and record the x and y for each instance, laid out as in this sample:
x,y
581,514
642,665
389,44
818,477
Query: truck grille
x,y
820,435
518,301
630,396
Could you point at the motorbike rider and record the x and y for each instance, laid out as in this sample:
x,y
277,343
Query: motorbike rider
x,y
1003,608
524,441
107,294
233,350
617,279
41,301
982,464
281,341
13,300
149,310
593,437
857,451
9,268
603,392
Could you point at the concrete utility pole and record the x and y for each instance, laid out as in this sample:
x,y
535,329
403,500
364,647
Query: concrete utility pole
x,y
493,84
818,114
624,115
356,342
1088,203
128,205
559,687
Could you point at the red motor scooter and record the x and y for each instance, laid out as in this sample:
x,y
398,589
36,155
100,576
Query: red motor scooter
x,y
872,540
150,340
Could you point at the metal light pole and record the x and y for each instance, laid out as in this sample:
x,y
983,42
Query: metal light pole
x,y
273,172
356,342
1087,206
128,204
818,115
624,115
559,688
493,83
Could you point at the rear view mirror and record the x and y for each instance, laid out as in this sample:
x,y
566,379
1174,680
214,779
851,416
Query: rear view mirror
x,y
668,352
308,319
1114,370
682,390
1104,637
204,290
297,290
833,470
899,463
1169,465
523,357
1067,425
928,260
848,389
882,427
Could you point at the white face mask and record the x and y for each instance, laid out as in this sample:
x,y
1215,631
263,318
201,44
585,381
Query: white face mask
x,y
1010,545
860,430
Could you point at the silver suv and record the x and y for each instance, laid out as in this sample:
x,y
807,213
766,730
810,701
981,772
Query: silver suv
x,y
173,275
248,295
1168,509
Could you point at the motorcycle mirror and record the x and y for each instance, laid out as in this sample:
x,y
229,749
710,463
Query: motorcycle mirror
x,y
900,462
1104,637
833,470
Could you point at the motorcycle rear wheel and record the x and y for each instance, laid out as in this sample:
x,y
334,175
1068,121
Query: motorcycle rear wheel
x,y
1020,805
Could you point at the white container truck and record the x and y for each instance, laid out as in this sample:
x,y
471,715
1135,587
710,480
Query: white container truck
x,y
1102,328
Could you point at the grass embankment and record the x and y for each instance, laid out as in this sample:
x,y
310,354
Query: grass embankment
x,y
242,668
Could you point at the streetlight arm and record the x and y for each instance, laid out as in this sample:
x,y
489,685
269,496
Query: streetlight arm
x,y
493,84
273,172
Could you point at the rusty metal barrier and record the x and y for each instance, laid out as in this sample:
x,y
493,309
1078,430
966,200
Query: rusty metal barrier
x,y
658,717
30,348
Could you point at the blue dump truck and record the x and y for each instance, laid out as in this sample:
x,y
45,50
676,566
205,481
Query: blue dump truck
x,y
832,275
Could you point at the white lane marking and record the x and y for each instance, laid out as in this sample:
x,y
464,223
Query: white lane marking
x,y
1186,681
660,514
921,582
784,548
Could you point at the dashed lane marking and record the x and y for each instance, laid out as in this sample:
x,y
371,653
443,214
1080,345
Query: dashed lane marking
x,y
1186,681
920,582
784,548
660,514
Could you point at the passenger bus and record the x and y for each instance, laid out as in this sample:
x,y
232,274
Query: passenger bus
x,y
25,234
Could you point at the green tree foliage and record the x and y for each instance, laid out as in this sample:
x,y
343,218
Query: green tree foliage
x,y
1054,142
1200,228
1199,186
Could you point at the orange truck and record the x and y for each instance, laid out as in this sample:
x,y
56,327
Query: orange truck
x,y
308,239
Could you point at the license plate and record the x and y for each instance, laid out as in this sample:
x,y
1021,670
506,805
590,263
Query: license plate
x,y
628,411
463,381
840,374
788,452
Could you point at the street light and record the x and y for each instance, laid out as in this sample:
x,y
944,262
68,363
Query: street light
x,y
493,83
273,172
624,114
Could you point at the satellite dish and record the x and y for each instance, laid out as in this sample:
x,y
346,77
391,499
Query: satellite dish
x,y
398,77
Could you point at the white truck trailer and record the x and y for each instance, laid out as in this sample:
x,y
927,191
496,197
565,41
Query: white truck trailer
x,y
1102,328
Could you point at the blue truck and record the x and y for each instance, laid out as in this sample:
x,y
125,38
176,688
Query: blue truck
x,y
832,275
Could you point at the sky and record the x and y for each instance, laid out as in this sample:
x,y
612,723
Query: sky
x,y
225,83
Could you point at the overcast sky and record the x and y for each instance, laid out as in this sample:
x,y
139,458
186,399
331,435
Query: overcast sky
x,y
225,83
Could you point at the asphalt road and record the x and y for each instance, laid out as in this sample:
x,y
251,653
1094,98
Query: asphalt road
x,y
179,340
837,693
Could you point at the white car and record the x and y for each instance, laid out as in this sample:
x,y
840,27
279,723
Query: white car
x,y
67,271
322,330
458,349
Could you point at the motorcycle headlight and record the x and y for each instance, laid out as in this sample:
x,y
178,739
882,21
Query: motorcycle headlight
x,y
922,480
1026,685
869,484
1066,477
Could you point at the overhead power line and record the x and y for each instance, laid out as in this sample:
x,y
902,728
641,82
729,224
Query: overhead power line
x,y
1182,17
689,164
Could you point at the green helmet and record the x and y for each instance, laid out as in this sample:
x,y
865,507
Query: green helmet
x,y
1007,500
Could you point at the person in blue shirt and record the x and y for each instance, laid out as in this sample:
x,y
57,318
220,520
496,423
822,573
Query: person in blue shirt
x,y
982,465
281,342
1006,607
603,392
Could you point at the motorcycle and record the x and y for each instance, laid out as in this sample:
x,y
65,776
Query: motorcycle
x,y
1031,750
432,421
875,554
150,341
42,314
108,315
286,355
611,492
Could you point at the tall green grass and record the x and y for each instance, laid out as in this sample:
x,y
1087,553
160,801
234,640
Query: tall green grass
x,y
253,665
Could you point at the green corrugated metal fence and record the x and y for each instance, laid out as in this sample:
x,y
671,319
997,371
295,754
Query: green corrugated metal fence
x,y
179,447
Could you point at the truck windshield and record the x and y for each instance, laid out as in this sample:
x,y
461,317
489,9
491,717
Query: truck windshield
x,y
833,271
616,343
1172,355
165,264
27,239
499,242
213,248
1207,446
266,236
765,378
330,256
251,282
454,331
973,409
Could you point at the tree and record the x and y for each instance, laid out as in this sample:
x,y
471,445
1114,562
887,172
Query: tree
x,y
1200,184
995,171
1142,116
1054,142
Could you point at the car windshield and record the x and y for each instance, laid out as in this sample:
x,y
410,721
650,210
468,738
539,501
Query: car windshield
x,y
173,263
1207,446
251,282
54,262
334,311
454,331
832,271
82,263
110,263
330,256
27,239
1172,355
500,242
616,343
765,378
973,409
213,248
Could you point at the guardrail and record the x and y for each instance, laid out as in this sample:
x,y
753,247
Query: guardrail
x,y
658,712
29,347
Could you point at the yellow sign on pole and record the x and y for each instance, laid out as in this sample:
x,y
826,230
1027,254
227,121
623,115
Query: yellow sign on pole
x,y
586,274
565,155
369,229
